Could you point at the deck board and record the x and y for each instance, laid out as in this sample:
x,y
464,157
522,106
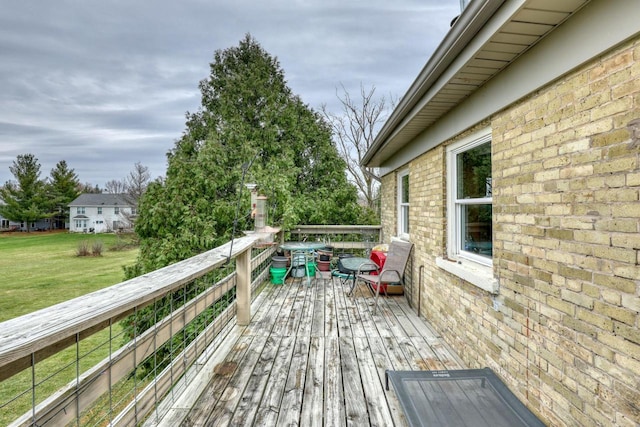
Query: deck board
x,y
272,398
378,410
314,356
334,410
248,406
291,405
312,407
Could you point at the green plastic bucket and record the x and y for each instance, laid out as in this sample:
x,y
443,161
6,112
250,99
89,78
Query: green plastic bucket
x,y
311,268
277,275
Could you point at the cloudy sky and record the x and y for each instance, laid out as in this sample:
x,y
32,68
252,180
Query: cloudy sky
x,y
104,84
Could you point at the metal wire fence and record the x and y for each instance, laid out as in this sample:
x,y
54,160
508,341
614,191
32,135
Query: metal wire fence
x,y
126,359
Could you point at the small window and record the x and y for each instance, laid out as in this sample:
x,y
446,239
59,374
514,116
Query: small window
x,y
403,204
81,209
116,210
99,210
470,225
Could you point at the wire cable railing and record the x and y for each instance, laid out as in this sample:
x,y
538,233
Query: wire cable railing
x,y
150,334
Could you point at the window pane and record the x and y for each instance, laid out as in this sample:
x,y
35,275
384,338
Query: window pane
x,y
405,189
474,172
477,229
405,219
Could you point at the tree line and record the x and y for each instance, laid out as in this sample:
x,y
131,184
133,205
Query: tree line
x,y
29,198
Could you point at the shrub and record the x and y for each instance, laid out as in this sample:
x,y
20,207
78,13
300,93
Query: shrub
x,y
96,248
83,249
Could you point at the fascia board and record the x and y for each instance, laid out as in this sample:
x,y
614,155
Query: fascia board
x,y
562,51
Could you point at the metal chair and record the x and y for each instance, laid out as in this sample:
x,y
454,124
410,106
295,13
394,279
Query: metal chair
x,y
393,271
335,272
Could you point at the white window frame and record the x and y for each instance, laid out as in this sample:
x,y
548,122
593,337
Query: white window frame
x,y
475,269
403,226
99,210
116,210
455,205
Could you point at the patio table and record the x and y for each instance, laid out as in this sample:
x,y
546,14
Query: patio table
x,y
355,265
305,249
302,246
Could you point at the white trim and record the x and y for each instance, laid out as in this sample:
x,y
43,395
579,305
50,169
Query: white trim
x,y
400,223
400,239
453,216
469,271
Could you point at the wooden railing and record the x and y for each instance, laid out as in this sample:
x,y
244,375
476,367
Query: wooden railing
x,y
340,237
192,305
27,340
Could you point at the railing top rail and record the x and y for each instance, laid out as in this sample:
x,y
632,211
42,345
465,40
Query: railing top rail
x,y
334,229
22,336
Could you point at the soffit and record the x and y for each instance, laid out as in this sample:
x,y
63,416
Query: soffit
x,y
524,29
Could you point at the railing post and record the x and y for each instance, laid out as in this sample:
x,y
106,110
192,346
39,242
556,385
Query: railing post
x,y
243,291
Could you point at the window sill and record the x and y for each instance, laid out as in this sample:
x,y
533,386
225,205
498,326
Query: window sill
x,y
477,274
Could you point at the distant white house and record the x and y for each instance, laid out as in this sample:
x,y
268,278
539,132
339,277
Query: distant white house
x,y
100,213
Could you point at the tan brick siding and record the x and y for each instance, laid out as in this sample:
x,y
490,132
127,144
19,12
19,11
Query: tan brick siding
x,y
388,209
566,227
564,329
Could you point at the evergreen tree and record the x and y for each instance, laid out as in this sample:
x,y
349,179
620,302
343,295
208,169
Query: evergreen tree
x,y
63,189
250,128
24,199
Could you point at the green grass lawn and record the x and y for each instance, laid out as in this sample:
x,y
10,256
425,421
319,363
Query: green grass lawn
x,y
40,270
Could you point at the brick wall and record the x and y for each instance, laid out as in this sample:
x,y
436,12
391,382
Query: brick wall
x,y
564,332
427,201
388,210
567,240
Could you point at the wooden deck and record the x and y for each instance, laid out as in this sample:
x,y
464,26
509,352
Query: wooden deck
x,y
312,356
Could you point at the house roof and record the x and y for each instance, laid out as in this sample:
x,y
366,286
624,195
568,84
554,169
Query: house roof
x,y
487,37
102,199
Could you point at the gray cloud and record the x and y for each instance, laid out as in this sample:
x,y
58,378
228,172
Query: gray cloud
x,y
104,84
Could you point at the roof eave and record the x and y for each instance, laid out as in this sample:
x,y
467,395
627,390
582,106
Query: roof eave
x,y
473,18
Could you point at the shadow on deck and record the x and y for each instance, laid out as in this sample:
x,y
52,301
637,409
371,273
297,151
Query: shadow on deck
x,y
312,356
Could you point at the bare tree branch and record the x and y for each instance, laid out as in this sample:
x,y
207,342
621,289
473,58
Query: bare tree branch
x,y
115,186
354,130
132,187
137,181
